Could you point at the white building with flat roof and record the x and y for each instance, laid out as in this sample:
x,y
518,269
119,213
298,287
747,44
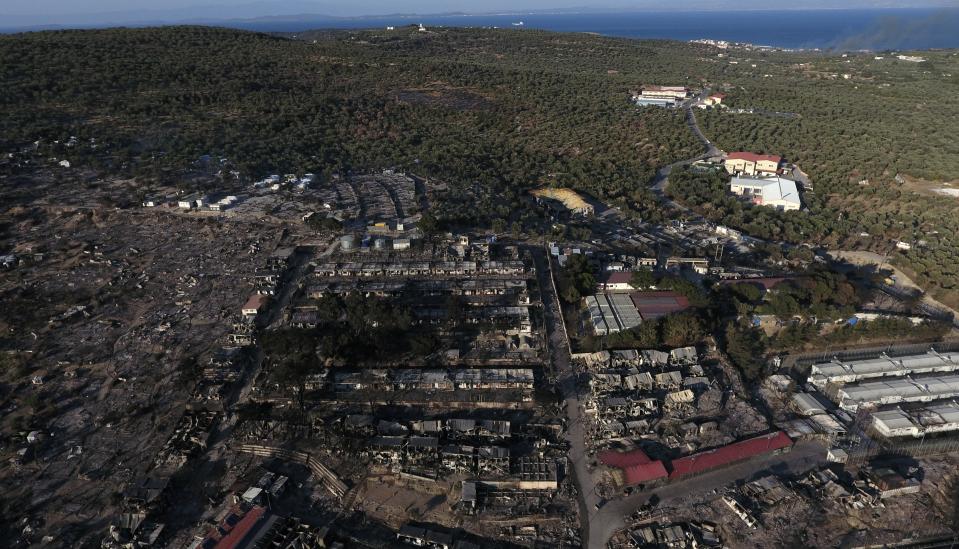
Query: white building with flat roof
x,y
775,192
807,404
894,391
894,423
839,371
935,418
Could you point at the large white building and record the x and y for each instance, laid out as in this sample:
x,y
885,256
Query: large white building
x,y
851,397
936,418
775,192
660,96
839,371
667,92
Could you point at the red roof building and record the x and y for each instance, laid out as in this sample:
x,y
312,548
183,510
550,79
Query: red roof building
x,y
715,99
729,454
753,157
235,528
653,305
254,304
636,466
617,281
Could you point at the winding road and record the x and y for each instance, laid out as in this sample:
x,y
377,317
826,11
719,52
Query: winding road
x,y
599,525
709,150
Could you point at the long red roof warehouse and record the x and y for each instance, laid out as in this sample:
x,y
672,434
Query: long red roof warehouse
x,y
652,305
731,453
231,533
635,464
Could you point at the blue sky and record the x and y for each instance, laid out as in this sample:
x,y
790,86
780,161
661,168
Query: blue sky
x,y
368,7
66,12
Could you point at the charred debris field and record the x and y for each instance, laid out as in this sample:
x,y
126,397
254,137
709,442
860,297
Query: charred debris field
x,y
293,289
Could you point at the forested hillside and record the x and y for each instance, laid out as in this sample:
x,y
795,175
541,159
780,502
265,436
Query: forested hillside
x,y
506,110
873,133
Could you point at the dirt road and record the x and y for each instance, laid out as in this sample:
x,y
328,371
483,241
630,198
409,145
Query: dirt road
x,y
903,282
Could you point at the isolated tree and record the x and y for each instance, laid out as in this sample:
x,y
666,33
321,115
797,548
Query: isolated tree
x,y
746,348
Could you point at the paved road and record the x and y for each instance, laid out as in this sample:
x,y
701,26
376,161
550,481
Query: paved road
x,y
605,522
904,287
599,525
709,150
241,389
569,390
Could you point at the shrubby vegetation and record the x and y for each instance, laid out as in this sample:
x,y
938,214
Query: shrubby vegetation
x,y
668,332
503,110
708,193
576,280
818,292
884,118
933,260
746,348
798,335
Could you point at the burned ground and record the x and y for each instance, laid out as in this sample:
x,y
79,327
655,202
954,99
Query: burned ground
x,y
451,98
103,324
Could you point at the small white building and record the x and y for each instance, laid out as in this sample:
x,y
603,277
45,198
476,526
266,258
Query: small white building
x,y
617,281
837,455
807,405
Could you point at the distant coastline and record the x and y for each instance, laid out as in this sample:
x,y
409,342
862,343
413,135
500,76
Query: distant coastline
x,y
831,28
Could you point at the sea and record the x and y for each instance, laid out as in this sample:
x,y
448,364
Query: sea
x,y
838,29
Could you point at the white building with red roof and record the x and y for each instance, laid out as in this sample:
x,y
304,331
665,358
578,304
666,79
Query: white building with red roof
x,y
752,164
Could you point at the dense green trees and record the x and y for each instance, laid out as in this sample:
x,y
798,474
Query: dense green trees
x,y
746,347
576,280
677,330
468,106
874,137
642,278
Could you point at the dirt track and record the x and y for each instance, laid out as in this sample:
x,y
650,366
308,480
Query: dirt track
x,y
902,280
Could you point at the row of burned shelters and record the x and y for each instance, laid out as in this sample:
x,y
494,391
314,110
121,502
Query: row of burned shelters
x,y
467,287
390,269
630,388
401,379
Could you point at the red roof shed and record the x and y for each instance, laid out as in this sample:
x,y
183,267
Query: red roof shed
x,y
731,453
618,277
242,529
636,465
652,305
